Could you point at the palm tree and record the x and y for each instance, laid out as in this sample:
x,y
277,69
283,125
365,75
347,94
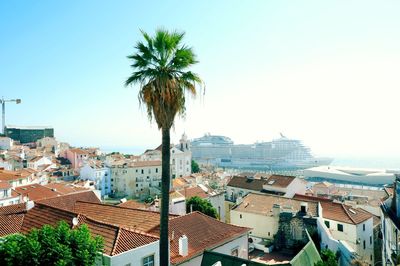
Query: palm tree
x,y
160,68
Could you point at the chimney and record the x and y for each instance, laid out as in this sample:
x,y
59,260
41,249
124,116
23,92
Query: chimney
x,y
183,246
30,204
276,209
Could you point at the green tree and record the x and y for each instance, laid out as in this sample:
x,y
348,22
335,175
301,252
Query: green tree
x,y
195,167
49,245
328,258
160,68
202,205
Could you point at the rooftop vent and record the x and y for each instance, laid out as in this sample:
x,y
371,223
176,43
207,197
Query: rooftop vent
x,y
352,211
271,182
183,246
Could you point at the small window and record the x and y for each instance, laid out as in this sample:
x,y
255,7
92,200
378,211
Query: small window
x,y
142,171
340,227
156,170
235,252
364,244
370,256
363,227
370,240
327,224
148,261
240,216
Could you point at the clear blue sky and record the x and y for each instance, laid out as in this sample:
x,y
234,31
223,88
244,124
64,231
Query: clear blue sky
x,y
324,72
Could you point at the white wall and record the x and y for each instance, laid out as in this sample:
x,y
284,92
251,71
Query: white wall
x,y
135,256
261,224
218,202
240,242
6,143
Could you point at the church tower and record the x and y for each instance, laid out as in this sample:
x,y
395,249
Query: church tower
x,y
184,143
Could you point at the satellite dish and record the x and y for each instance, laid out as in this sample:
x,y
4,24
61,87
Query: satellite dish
x,y
75,221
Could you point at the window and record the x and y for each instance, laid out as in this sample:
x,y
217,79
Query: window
x,y
363,244
20,181
340,227
327,224
370,256
363,227
240,216
142,171
137,185
370,240
156,170
148,261
5,193
235,252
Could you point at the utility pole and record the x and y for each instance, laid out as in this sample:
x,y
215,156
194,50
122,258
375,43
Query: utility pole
x,y
3,109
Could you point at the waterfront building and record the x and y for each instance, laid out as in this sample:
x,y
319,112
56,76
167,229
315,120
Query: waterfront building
x,y
28,134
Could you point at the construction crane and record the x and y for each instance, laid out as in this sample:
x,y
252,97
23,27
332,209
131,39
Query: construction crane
x,y
3,108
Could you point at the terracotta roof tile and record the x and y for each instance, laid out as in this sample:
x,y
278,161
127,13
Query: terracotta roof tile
x,y
142,220
194,191
65,188
128,240
263,204
36,192
67,202
202,231
246,183
10,224
5,185
6,175
279,180
338,211
13,209
133,204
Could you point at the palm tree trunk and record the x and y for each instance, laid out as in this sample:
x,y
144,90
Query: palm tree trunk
x,y
165,186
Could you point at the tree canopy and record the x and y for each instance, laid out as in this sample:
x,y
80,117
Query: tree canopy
x,y
202,205
329,258
50,245
195,167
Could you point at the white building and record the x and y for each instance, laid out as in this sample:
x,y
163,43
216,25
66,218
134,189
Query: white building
x,y
100,174
38,161
390,226
49,144
286,186
7,195
354,227
262,212
6,143
181,157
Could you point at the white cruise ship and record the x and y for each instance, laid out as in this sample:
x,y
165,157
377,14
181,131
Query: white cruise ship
x,y
279,154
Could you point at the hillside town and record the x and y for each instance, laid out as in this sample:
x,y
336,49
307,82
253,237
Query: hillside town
x,y
260,218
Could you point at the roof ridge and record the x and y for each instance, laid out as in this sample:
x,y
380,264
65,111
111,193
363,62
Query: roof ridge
x,y
122,207
116,242
37,203
347,213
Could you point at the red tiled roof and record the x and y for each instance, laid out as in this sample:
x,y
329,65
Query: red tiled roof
x,y
202,231
67,202
78,151
6,175
193,192
5,185
128,239
338,211
65,188
246,183
142,220
43,214
146,163
10,224
133,204
37,192
115,239
279,180
13,209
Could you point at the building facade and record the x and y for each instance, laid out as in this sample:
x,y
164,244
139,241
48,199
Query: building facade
x,y
28,134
